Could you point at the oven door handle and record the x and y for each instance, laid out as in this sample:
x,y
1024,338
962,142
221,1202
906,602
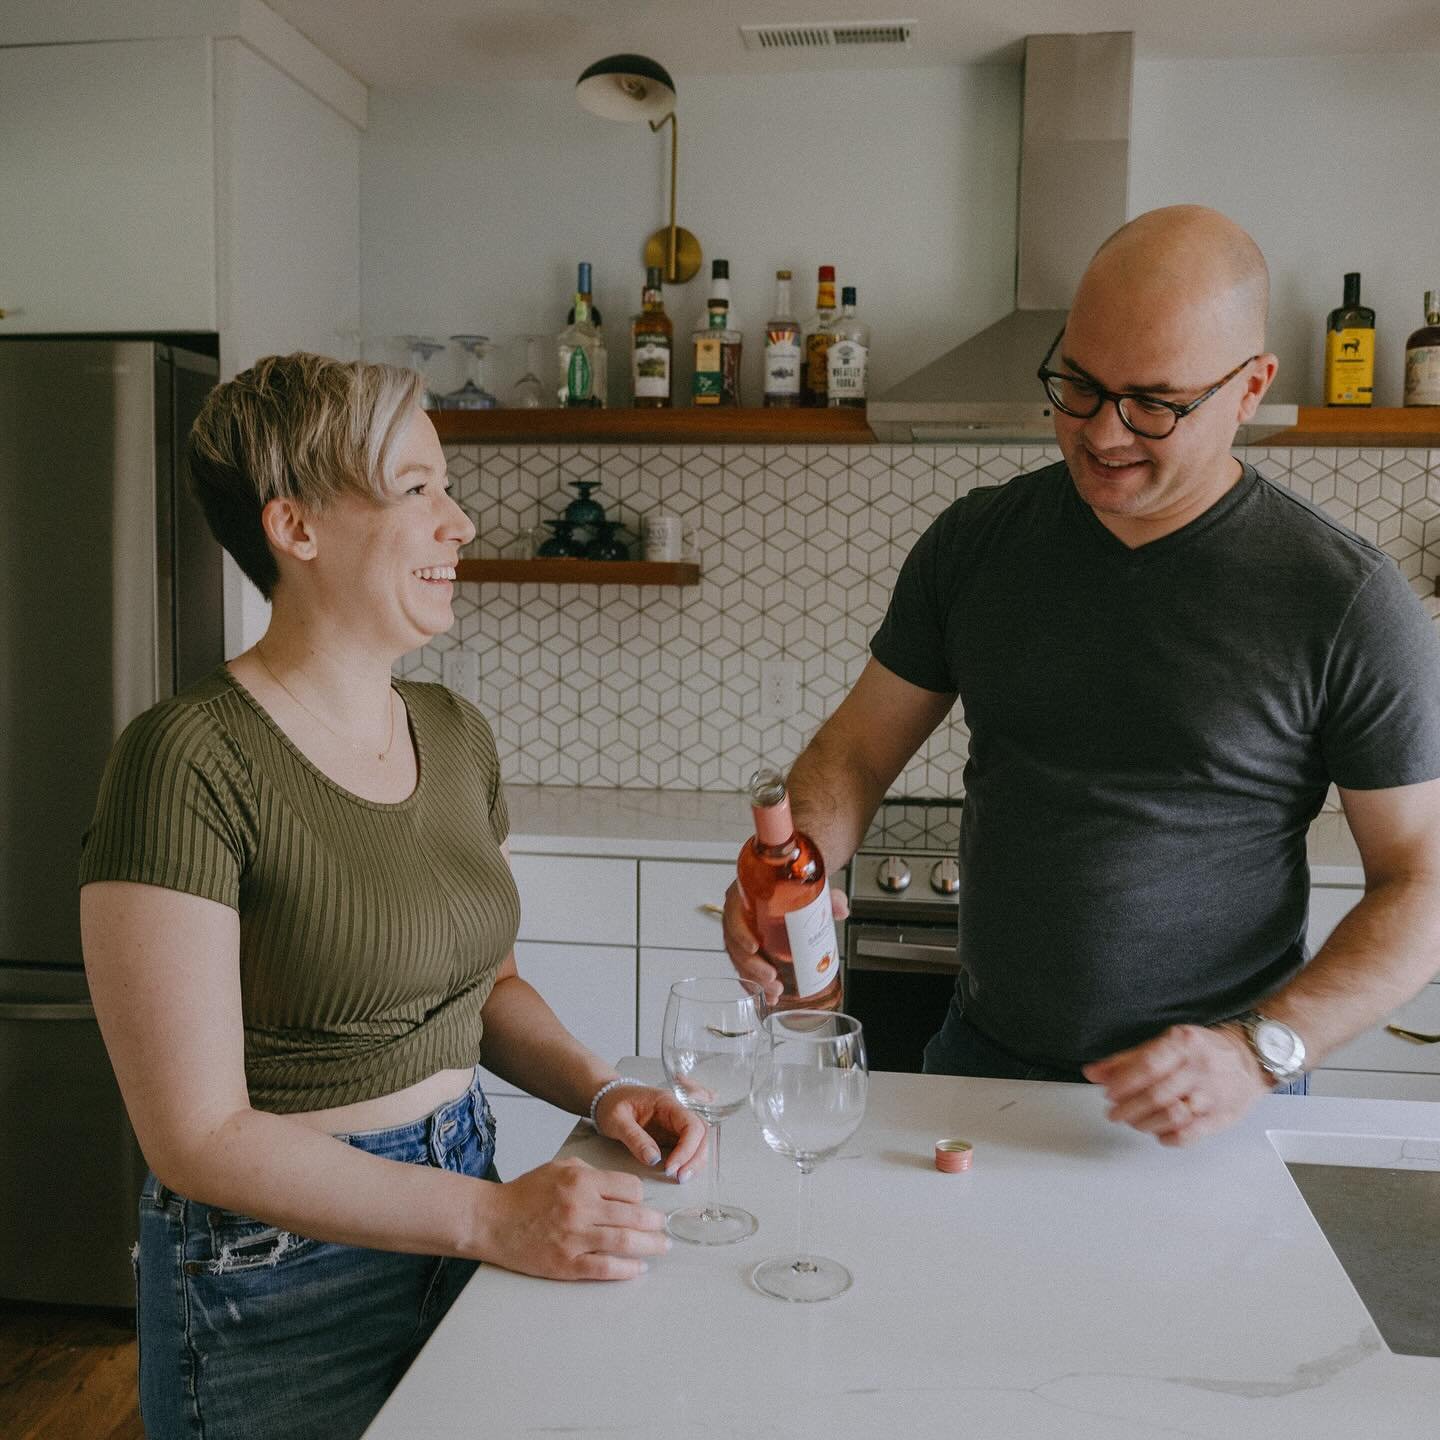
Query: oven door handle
x,y
872,954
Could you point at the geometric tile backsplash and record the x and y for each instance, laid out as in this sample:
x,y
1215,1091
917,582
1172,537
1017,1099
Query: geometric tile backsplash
x,y
658,687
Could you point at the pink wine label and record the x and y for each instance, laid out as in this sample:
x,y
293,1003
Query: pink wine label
x,y
811,932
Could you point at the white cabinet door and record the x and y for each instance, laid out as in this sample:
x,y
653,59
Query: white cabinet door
x,y
528,1132
1378,1049
107,169
575,898
1329,904
592,990
1374,1085
659,970
678,900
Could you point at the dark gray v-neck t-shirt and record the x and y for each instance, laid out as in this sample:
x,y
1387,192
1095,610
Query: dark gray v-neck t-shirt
x,y
1152,731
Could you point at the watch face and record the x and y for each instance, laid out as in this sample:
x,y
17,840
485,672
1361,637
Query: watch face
x,y
1278,1045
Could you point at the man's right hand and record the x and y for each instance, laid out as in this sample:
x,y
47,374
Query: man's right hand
x,y
743,944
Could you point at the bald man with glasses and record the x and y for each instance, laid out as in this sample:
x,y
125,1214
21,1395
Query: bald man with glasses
x,y
1164,661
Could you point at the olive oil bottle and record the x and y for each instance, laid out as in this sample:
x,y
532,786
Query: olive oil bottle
x,y
1350,349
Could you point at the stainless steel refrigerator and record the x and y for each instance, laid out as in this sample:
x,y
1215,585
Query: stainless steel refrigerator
x,y
110,598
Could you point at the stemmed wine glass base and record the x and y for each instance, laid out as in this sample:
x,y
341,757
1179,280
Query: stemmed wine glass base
x,y
810,1277
711,1224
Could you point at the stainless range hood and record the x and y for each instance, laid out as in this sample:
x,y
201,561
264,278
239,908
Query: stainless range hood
x,y
1074,192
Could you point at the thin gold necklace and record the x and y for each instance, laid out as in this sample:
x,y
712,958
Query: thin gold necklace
x,y
381,756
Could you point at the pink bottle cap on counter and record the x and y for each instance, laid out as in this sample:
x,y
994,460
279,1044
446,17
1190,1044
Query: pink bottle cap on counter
x,y
953,1156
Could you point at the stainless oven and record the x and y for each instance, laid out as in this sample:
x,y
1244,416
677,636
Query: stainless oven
x,y
900,940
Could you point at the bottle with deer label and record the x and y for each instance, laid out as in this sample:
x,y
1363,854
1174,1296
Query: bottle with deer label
x,y
1350,349
781,877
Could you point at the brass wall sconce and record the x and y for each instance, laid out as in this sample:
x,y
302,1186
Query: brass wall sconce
x,y
634,87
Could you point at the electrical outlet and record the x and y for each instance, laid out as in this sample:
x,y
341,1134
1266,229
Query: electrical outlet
x,y
779,689
461,672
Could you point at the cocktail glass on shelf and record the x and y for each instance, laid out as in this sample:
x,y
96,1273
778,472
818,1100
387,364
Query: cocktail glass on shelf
x,y
809,1097
708,1044
421,348
528,392
605,544
473,394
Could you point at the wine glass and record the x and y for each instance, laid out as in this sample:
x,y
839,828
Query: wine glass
x,y
809,1097
421,348
528,392
708,1044
473,394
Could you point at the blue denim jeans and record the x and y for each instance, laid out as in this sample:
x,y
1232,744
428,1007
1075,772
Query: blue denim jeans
x,y
959,1048
249,1330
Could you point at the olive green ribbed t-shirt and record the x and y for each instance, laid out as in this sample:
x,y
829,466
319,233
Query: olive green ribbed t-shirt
x,y
370,934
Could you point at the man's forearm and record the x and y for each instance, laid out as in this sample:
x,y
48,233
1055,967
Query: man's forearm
x,y
833,798
1377,958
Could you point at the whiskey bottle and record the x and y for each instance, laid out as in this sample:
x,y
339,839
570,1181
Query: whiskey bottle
x,y
581,352
1422,357
781,878
717,359
652,337
817,339
847,360
782,349
1350,349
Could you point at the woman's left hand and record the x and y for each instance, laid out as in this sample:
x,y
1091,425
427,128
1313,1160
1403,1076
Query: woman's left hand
x,y
643,1120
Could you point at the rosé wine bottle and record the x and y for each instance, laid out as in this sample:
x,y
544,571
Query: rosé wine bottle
x,y
787,900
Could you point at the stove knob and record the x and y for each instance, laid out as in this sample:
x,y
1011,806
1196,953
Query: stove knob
x,y
945,877
893,874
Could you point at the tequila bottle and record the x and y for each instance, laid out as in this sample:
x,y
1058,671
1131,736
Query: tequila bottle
x,y
582,359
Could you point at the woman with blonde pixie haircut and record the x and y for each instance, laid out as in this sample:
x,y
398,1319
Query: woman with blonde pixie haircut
x,y
298,920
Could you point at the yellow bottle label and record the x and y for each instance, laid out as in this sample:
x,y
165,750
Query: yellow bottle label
x,y
1349,367
817,352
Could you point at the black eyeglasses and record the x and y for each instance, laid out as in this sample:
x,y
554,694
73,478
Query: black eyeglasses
x,y
1144,415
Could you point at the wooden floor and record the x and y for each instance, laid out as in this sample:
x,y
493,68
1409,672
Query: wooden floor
x,y
67,1374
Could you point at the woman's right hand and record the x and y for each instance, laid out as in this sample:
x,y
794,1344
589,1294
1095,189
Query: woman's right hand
x,y
568,1221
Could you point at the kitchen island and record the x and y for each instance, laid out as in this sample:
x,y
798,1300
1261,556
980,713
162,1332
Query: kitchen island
x,y
1079,1281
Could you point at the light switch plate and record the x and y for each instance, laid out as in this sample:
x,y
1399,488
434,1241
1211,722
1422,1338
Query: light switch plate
x,y
461,672
779,689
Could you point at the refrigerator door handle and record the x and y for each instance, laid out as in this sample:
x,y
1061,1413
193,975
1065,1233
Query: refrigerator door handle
x,y
47,1012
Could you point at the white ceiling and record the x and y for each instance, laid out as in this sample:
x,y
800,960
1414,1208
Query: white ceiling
x,y
401,44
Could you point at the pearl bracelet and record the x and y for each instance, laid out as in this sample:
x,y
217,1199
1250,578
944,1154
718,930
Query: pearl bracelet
x,y
605,1089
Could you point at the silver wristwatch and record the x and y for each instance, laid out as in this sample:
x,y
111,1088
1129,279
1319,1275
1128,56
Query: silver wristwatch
x,y
1280,1051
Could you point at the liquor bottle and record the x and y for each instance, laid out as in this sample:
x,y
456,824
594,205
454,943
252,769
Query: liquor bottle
x,y
1350,349
817,338
582,284
782,349
652,335
847,360
781,877
581,355
1422,357
717,359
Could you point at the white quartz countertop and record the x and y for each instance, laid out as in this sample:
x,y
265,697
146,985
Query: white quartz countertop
x,y
712,825
1079,1283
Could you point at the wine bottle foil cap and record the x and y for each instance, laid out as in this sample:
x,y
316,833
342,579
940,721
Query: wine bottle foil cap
x,y
827,272
953,1156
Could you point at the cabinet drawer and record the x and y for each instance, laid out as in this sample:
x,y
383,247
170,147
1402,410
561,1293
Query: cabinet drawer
x,y
672,894
1329,904
1379,1050
659,970
576,899
590,987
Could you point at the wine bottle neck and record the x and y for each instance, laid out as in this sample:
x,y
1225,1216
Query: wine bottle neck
x,y
774,827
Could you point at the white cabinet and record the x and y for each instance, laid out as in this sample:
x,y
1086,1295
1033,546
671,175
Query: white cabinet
x,y
108,175
576,899
678,901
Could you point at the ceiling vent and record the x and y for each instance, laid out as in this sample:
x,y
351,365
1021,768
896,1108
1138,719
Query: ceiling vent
x,y
833,36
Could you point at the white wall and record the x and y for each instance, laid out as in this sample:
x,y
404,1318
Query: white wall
x,y
1330,163
477,202
288,221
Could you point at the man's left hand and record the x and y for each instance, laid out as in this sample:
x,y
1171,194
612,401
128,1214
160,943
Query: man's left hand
x,y
1188,1082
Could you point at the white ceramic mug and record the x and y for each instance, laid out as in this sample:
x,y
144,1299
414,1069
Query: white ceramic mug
x,y
668,538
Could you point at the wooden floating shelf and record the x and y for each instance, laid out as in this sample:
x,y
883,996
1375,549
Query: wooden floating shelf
x,y
577,572
1362,427
683,426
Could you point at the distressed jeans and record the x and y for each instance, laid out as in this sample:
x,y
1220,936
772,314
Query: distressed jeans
x,y
249,1330
959,1048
